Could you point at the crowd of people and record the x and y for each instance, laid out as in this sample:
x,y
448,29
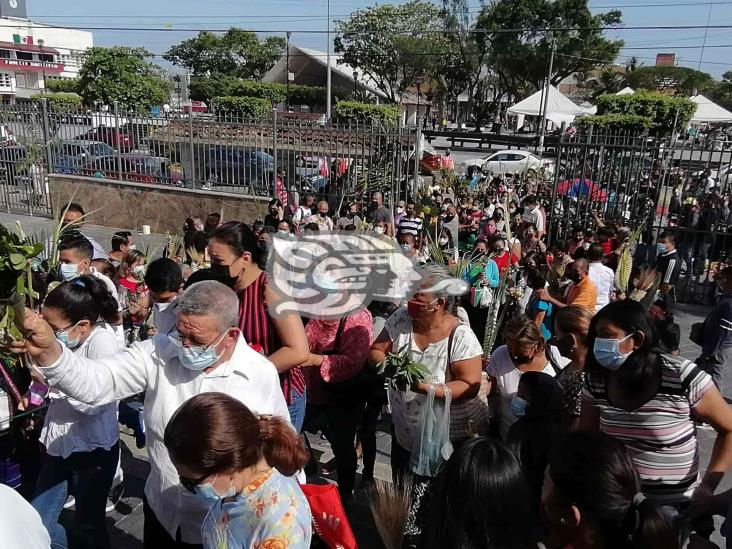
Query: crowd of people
x,y
571,422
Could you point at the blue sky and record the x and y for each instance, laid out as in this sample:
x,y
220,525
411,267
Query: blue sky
x,y
310,15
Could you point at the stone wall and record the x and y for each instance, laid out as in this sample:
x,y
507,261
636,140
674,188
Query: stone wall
x,y
128,205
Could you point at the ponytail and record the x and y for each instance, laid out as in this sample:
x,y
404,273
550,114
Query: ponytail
x,y
213,433
281,446
83,298
650,529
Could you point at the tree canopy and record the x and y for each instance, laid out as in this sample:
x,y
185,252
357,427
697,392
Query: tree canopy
x,y
237,52
124,75
392,45
681,81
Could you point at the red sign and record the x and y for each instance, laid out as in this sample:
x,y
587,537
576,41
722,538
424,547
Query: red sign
x,y
666,60
22,65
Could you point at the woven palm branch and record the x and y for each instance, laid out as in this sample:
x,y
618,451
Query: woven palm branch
x,y
390,504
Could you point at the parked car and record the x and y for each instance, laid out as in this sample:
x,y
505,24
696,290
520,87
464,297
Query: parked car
x,y
114,137
108,167
239,166
69,156
509,161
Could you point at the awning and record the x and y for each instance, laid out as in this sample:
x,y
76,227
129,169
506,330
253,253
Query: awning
x,y
708,111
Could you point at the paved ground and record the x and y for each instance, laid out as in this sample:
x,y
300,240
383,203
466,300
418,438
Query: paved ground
x,y
126,522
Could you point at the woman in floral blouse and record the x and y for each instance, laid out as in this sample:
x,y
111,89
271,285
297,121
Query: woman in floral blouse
x,y
243,465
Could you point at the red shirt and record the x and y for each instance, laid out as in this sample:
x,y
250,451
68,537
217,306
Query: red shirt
x,y
503,262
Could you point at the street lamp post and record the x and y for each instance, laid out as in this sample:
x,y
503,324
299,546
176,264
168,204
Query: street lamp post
x,y
41,43
355,85
287,76
419,97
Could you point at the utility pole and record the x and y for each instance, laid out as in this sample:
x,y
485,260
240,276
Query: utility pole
x,y
287,76
328,82
546,100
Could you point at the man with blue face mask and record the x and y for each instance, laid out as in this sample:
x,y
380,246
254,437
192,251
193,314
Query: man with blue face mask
x,y
668,265
205,353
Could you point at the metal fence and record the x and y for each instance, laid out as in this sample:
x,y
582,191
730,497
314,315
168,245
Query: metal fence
x,y
278,157
682,186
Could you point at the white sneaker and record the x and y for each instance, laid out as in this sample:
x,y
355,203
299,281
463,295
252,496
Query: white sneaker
x,y
70,502
115,494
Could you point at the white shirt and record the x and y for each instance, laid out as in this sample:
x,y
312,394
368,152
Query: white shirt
x,y
153,366
72,426
406,406
507,376
20,524
302,212
118,329
604,280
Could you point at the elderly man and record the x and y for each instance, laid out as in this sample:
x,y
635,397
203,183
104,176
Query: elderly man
x,y
205,354
582,292
382,215
321,218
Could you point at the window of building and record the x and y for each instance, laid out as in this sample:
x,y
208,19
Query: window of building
x,y
46,57
6,81
24,55
20,80
4,54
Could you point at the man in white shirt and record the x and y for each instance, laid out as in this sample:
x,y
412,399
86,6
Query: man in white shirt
x,y
533,215
74,257
206,354
73,213
20,524
304,211
601,276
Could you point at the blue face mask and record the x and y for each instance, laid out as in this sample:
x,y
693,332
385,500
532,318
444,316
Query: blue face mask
x,y
208,493
68,271
607,352
199,358
661,248
63,338
518,406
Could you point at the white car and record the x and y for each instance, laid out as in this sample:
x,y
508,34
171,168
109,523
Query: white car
x,y
509,161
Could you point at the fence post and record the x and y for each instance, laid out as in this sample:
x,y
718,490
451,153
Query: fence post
x,y
417,158
274,152
191,148
119,144
47,147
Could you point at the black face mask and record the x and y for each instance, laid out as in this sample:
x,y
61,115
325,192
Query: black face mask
x,y
574,277
222,273
274,213
498,251
449,218
323,214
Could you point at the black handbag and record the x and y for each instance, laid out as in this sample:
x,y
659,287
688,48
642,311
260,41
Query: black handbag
x,y
696,334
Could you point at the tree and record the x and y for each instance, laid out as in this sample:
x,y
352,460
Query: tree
x,y
721,92
521,59
681,81
666,113
63,85
122,74
609,80
237,52
392,45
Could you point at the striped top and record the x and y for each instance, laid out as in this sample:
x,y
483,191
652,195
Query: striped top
x,y
660,434
257,327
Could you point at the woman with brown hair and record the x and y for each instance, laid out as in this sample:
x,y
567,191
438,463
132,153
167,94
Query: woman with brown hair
x,y
570,337
243,465
524,351
236,260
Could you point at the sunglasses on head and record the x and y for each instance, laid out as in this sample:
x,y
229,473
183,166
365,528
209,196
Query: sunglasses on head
x,y
191,483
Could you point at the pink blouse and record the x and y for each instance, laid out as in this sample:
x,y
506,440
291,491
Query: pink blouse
x,y
345,357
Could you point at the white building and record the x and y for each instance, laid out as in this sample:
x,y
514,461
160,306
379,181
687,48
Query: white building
x,y
32,53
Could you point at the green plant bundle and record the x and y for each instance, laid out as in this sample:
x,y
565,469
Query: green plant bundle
x,y
400,371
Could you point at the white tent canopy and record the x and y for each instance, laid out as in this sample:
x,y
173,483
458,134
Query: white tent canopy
x,y
707,111
626,91
559,109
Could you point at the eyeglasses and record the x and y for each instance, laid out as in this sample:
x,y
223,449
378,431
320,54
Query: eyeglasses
x,y
191,483
177,340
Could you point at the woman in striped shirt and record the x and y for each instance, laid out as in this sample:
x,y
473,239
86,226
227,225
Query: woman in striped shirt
x,y
650,401
236,257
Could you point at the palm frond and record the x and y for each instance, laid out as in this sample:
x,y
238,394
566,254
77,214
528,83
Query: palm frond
x,y
390,504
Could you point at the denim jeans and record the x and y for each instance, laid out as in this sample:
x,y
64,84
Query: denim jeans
x,y
88,475
297,409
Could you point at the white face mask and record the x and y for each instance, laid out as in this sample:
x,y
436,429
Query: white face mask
x,y
379,230
444,241
160,307
132,247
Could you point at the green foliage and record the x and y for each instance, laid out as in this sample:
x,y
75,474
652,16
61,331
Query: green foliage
x,y
204,88
520,60
661,109
681,81
237,52
400,371
59,101
393,45
352,111
616,122
63,85
721,92
253,108
122,74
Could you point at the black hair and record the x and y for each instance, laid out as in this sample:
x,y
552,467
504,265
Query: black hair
x,y
163,275
74,207
667,236
594,472
241,239
595,252
73,240
350,228
481,500
84,298
535,279
312,227
275,202
640,366
119,239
